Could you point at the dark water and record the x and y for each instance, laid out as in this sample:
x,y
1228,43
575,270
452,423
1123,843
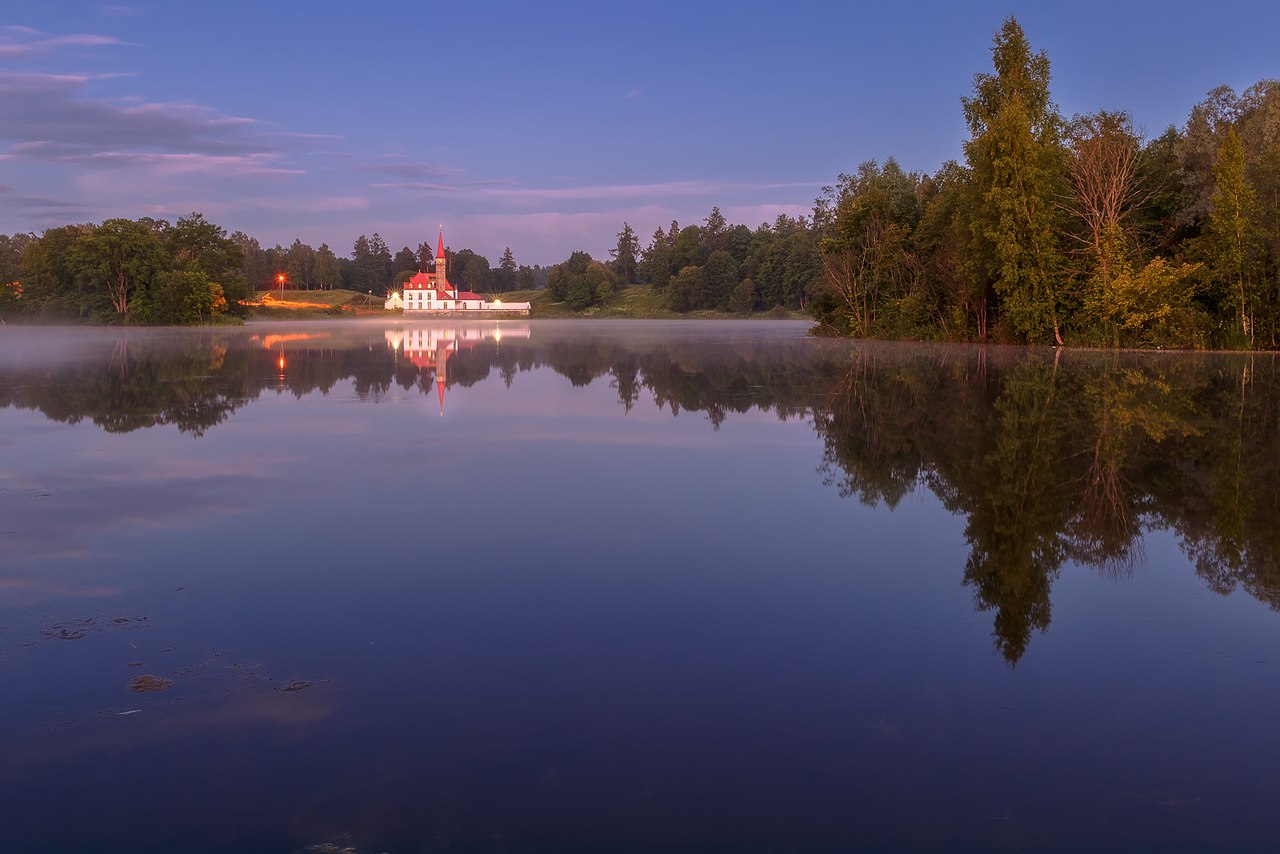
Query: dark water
x,y
633,587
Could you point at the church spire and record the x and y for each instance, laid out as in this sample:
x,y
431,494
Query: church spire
x,y
440,244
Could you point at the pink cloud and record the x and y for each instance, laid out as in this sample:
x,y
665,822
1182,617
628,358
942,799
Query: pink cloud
x,y
17,41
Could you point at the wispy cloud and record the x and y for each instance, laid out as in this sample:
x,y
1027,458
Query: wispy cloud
x,y
9,197
51,113
18,41
399,166
514,194
634,92
159,164
433,187
114,11
310,204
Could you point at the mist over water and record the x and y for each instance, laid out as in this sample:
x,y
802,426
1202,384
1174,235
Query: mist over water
x,y
631,586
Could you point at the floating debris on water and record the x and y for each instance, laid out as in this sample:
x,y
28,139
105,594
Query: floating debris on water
x,y
147,684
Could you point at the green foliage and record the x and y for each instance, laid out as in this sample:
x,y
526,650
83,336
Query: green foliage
x,y
504,278
685,289
1016,156
581,282
470,271
119,258
1152,307
626,255
1232,236
744,297
198,246
868,257
184,297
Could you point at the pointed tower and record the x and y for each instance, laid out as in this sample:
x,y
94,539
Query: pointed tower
x,y
442,280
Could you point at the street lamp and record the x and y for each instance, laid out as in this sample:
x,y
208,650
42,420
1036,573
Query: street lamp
x,y
280,280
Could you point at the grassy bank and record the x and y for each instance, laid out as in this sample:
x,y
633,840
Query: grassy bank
x,y
637,302
307,305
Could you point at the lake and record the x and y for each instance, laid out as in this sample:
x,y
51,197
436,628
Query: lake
x,y
632,586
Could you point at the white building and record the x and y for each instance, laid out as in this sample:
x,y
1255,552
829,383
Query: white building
x,y
432,294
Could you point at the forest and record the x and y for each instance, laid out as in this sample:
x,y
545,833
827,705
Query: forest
x,y
1053,230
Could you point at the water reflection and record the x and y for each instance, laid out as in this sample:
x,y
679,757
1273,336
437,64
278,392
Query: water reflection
x,y
1068,457
641,595
1050,458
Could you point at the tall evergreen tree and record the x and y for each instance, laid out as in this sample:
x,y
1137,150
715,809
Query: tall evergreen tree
x,y
1016,155
625,255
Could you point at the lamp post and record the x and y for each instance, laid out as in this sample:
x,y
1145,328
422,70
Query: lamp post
x,y
280,281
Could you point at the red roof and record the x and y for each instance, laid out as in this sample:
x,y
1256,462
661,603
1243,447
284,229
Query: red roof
x,y
440,245
468,295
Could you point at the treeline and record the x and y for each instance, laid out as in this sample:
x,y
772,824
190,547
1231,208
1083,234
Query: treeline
x,y
143,271
1066,231
1052,230
713,265
150,271
372,267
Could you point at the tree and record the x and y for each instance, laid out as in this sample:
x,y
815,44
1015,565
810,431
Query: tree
x,y
625,255
720,278
714,230
581,281
327,271
1231,231
379,264
1103,170
405,261
685,288
524,277
122,257
361,265
470,271
51,280
181,297
687,248
944,241
1015,154
254,264
744,297
300,263
867,256
656,263
1105,185
505,277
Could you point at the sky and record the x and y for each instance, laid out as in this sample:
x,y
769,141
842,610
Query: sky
x,y
540,126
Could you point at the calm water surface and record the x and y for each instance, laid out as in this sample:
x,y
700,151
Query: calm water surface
x,y
635,586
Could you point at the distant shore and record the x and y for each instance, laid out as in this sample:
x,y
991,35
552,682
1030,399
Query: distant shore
x,y
639,302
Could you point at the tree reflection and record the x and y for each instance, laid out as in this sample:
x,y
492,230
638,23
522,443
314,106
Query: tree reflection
x,y
1053,460
1068,458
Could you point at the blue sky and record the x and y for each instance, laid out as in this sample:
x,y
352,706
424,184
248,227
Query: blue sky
x,y
539,126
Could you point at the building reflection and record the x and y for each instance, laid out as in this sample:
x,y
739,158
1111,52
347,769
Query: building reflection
x,y
429,348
